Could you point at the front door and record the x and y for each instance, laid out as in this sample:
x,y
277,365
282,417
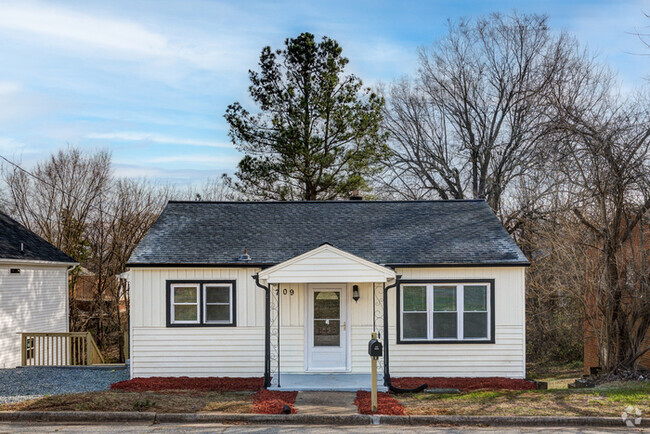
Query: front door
x,y
327,328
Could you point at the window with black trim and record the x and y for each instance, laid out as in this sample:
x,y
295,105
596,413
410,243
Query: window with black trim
x,y
446,312
200,303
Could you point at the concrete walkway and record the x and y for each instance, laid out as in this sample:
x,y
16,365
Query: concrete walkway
x,y
327,382
326,403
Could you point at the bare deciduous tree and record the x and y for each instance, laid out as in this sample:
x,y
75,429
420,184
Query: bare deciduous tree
x,y
72,201
475,118
604,151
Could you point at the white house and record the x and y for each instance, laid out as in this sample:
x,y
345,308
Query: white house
x,y
33,288
293,289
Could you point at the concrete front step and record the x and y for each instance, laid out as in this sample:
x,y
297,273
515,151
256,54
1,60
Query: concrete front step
x,y
327,382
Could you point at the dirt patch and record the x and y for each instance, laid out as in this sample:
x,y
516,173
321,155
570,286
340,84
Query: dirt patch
x,y
273,402
386,404
215,384
168,402
464,384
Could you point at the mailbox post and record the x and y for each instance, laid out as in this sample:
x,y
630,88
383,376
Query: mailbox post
x,y
374,351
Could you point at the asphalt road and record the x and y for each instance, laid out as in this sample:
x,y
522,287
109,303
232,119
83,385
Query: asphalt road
x,y
218,428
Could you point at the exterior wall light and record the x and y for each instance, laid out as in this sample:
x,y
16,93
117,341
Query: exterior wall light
x,y
355,293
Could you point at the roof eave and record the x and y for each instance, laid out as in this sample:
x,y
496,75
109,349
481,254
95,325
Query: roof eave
x,y
199,265
271,264
459,264
37,262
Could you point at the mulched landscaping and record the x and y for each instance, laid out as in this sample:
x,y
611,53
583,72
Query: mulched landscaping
x,y
273,402
215,384
386,404
464,384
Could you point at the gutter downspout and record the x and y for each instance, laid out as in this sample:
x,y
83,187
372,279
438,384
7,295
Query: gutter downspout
x,y
387,381
267,332
386,336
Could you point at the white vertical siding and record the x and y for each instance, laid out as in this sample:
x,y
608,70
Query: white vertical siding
x,y
239,351
157,350
504,358
36,300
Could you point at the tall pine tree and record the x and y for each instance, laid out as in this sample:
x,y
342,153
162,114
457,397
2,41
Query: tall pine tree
x,y
317,135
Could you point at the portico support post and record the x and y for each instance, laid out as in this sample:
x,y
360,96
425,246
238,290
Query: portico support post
x,y
387,382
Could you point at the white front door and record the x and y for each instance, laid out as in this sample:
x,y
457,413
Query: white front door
x,y
327,328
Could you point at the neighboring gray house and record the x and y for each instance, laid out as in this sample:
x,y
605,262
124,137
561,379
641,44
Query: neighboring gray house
x,y
33,288
293,289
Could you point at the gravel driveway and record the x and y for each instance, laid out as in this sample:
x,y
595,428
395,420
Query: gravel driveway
x,y
20,384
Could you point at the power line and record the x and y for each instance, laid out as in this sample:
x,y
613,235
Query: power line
x,y
17,166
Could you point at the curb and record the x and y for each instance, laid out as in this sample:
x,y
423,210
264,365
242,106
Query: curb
x,y
311,419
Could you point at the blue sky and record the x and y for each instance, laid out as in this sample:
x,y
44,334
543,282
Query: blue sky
x,y
150,80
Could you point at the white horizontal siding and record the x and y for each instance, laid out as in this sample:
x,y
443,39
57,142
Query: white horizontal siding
x,y
33,301
239,351
197,352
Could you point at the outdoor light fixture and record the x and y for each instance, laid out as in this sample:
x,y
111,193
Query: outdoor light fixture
x,y
355,293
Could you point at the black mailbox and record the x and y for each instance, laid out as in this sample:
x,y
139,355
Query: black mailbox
x,y
375,349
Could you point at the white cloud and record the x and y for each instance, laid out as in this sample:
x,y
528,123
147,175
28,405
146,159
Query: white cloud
x,y
165,176
9,87
18,105
81,28
200,158
156,138
105,36
9,145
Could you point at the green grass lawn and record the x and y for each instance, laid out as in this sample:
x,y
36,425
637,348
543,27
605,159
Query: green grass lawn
x,y
606,400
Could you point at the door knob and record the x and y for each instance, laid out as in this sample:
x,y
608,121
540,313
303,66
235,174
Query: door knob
x,y
343,325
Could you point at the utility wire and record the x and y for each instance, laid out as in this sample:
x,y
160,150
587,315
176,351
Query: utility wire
x,y
17,166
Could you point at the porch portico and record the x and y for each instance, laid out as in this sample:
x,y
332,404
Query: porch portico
x,y
321,308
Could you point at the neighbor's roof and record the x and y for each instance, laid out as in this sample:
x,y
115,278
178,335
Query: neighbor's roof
x,y
385,232
35,248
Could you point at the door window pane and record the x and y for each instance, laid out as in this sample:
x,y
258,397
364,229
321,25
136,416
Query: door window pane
x,y
445,325
327,305
415,325
327,333
415,298
475,325
327,314
444,298
475,298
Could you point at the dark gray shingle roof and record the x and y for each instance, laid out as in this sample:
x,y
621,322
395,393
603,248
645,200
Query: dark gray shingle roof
x,y
35,248
395,232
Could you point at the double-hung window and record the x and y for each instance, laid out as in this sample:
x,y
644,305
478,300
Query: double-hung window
x,y
185,304
446,312
201,303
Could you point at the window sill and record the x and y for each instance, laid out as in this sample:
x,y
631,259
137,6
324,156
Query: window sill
x,y
444,342
201,325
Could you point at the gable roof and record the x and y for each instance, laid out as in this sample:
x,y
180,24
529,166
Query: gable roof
x,y
393,233
35,248
326,264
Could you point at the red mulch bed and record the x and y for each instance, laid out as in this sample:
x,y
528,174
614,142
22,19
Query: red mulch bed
x,y
217,384
386,404
273,402
464,384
